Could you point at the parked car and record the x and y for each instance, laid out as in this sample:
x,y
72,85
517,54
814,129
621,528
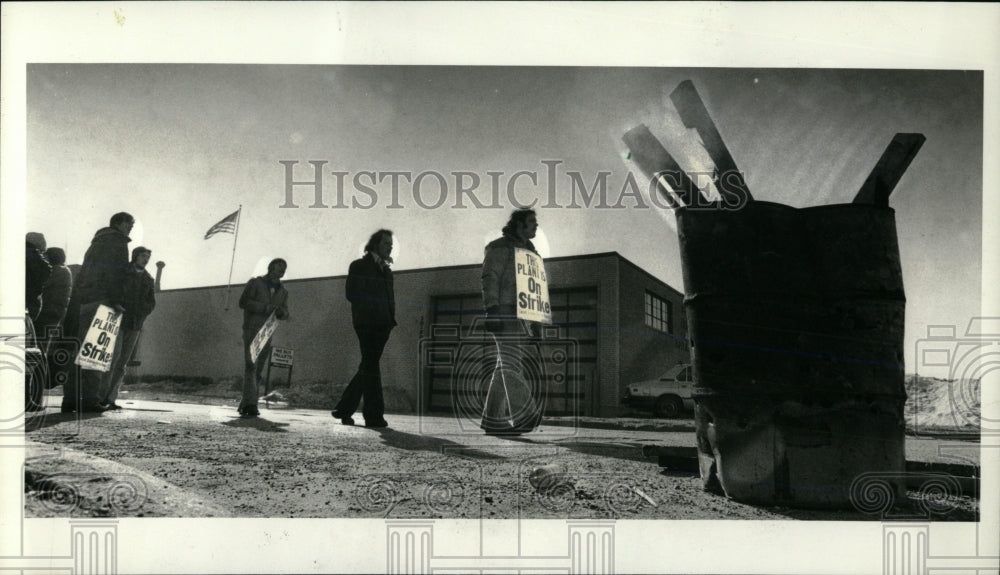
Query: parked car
x,y
666,396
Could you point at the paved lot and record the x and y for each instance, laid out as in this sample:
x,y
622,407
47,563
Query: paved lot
x,y
174,459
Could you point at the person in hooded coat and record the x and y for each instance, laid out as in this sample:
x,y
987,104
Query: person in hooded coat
x,y
101,281
55,294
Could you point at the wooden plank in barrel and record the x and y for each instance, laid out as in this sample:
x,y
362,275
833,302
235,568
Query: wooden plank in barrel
x,y
890,168
653,159
695,115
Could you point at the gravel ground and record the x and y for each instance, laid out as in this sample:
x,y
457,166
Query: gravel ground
x,y
188,460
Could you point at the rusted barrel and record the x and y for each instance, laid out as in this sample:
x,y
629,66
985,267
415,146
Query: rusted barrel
x,y
797,319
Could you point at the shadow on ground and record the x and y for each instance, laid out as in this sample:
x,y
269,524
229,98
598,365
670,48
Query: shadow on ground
x,y
413,442
258,423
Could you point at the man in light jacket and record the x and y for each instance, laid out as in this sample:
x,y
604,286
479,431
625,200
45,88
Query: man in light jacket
x,y
510,406
262,296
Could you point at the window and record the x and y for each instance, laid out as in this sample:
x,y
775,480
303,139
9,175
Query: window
x,y
659,313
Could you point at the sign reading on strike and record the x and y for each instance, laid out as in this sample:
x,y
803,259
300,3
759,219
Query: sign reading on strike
x,y
532,287
98,346
263,336
281,356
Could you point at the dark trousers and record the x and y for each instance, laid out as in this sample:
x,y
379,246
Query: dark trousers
x,y
68,373
367,382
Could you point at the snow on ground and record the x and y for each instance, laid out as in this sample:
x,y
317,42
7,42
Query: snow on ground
x,y
935,404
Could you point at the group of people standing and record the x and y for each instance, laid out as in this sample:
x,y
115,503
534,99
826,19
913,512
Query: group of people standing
x,y
59,305
62,307
510,405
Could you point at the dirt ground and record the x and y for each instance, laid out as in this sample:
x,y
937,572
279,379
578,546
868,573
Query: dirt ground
x,y
158,459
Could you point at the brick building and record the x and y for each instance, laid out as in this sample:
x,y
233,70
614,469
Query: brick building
x,y
614,323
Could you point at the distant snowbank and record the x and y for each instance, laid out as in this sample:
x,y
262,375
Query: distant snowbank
x,y
934,404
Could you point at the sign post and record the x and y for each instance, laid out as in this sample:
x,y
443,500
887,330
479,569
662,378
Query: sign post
x,y
533,302
280,357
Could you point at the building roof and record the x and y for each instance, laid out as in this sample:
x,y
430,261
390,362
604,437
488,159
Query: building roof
x,y
455,267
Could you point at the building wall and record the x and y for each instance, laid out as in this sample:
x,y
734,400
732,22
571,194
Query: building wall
x,y
191,332
647,353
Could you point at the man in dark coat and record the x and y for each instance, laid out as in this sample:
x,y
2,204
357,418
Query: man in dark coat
x,y
139,302
101,281
373,313
262,296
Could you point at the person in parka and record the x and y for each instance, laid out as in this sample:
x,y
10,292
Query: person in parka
x,y
36,273
511,405
55,294
101,281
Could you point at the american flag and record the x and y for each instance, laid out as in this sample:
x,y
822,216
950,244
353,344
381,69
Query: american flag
x,y
225,225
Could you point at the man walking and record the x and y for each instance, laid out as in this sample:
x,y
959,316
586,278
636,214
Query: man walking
x,y
101,281
510,407
262,296
139,302
373,313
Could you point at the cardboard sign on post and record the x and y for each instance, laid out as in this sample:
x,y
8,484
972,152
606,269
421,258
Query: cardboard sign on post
x,y
532,287
281,356
98,346
262,337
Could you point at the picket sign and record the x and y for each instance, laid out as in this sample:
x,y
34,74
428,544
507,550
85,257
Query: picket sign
x,y
263,336
281,356
533,302
98,347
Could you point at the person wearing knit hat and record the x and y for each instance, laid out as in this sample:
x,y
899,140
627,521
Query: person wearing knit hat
x,y
36,239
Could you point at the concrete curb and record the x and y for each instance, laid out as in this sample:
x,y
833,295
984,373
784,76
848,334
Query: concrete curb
x,y
622,423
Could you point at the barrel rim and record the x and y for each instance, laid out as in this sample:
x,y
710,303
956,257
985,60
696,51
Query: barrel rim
x,y
777,205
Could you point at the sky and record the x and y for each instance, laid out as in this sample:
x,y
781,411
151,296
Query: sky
x,y
180,146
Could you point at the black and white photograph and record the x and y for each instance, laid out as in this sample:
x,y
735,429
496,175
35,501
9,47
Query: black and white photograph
x,y
328,289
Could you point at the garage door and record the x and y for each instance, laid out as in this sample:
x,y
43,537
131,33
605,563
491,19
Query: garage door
x,y
459,356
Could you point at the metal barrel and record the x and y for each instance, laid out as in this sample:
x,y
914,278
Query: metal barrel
x,y
796,318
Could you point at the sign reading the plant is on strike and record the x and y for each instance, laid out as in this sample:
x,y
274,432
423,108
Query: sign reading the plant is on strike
x,y
532,287
98,346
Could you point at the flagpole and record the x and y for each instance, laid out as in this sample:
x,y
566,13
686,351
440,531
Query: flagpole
x,y
236,235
